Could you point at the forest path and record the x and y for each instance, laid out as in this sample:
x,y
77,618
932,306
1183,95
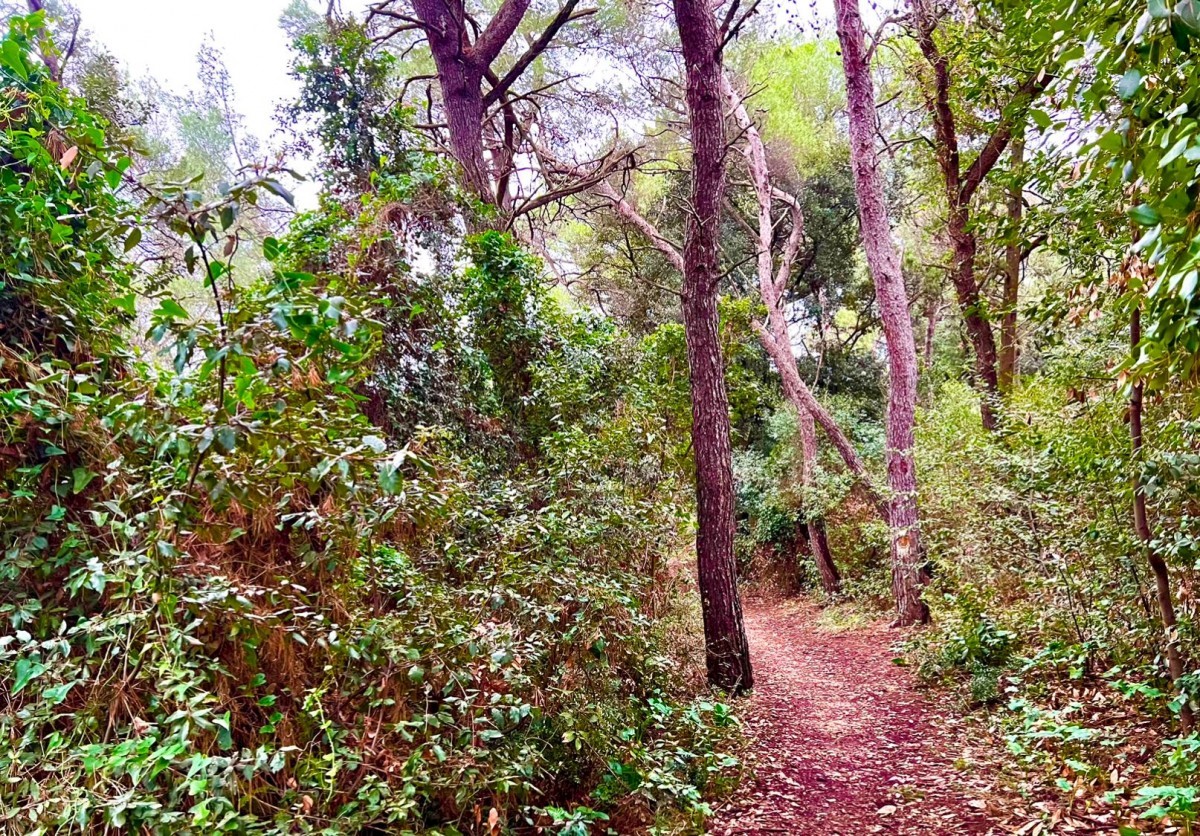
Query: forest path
x,y
842,743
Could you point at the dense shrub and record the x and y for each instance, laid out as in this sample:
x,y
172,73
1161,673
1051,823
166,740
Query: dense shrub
x,y
233,604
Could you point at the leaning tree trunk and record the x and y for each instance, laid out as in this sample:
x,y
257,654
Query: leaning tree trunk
x,y
908,573
818,541
775,337
1141,524
728,654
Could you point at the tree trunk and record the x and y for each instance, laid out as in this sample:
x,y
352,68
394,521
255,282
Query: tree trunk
x,y
772,284
979,329
460,76
818,542
933,309
1141,524
727,651
908,572
1007,372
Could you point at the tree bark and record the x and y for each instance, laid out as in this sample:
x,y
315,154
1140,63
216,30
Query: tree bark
x,y
776,339
974,314
1007,372
908,570
727,651
460,70
1141,524
933,308
772,285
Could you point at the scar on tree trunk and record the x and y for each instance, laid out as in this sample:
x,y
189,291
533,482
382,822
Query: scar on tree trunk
x,y
1141,524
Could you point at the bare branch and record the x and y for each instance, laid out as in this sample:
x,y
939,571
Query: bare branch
x,y
565,15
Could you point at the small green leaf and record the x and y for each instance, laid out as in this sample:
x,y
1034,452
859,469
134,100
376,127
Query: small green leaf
x,y
81,477
126,303
170,309
132,239
1128,86
271,248
227,438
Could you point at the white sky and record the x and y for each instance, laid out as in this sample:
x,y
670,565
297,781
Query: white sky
x,y
161,38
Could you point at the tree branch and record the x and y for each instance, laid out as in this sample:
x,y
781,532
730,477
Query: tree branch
x,y
998,141
499,29
565,15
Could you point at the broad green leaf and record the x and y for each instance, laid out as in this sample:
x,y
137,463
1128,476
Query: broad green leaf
x,y
25,671
1128,86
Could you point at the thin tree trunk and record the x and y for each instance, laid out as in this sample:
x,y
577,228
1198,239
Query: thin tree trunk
x,y
960,188
908,573
933,310
1007,373
818,542
1141,524
727,650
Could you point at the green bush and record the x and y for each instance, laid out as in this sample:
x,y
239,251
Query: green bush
x,y
233,604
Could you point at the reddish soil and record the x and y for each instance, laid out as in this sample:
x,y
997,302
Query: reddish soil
x,y
842,744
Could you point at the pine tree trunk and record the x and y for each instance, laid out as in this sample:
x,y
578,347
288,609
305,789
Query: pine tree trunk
x,y
908,573
1141,524
727,651
1007,373
818,541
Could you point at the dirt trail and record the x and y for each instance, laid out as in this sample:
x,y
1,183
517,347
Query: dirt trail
x,y
842,742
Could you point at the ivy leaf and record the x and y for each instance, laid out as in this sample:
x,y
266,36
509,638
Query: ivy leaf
x,y
271,248
81,477
24,672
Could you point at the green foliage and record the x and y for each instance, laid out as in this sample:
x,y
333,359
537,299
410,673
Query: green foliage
x,y
344,91
232,603
59,213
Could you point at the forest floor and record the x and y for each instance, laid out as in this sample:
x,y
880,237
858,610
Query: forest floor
x,y
843,744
